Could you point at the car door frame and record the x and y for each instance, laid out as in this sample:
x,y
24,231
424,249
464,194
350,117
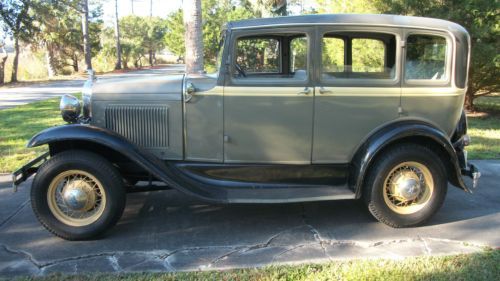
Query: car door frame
x,y
342,151
308,83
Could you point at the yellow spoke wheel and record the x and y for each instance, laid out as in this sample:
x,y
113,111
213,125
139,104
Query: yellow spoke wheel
x,y
76,198
408,188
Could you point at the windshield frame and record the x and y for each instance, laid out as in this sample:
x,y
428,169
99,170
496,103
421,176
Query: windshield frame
x,y
220,50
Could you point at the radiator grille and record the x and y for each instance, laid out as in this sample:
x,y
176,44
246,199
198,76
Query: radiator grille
x,y
146,126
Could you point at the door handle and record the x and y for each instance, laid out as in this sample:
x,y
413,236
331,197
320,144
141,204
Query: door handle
x,y
304,92
324,91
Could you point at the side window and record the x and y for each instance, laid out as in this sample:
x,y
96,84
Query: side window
x,y
368,55
358,55
333,54
425,57
258,55
271,56
298,54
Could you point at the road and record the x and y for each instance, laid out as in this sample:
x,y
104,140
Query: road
x,y
14,96
168,231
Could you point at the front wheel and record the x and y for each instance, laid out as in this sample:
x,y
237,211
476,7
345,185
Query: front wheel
x,y
77,195
406,186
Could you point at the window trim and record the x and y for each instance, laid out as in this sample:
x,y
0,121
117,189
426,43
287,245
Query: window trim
x,y
269,82
361,82
448,60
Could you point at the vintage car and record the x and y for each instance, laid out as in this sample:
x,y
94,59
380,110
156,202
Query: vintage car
x,y
301,108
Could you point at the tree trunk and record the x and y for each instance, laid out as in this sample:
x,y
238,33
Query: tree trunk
x,y
193,36
469,99
118,64
85,31
2,65
50,60
15,63
75,63
151,62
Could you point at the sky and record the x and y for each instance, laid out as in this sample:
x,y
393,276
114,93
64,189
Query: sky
x,y
161,8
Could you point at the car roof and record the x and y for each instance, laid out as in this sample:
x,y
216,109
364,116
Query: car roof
x,y
350,19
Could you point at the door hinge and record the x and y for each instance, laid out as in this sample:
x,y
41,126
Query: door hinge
x,y
400,111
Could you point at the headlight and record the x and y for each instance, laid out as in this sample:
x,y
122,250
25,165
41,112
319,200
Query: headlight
x,y
70,108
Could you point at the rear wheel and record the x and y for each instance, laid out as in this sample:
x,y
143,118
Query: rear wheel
x,y
406,186
77,195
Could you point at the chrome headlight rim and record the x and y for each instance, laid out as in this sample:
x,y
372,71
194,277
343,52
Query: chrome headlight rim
x,y
70,108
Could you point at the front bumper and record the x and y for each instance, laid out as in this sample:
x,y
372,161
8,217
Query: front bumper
x,y
26,171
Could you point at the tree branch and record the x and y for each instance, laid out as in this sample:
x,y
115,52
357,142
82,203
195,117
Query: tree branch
x,y
483,94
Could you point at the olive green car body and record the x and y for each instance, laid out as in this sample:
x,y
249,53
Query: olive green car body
x,y
227,139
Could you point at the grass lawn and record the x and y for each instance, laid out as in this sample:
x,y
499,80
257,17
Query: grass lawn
x,y
480,266
18,125
484,129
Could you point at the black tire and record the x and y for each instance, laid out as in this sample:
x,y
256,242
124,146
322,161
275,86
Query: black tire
x,y
373,192
93,164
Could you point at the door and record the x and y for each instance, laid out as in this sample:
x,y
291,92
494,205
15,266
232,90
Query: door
x,y
268,100
203,118
358,89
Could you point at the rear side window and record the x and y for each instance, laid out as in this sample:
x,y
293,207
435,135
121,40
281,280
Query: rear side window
x,y
333,54
298,54
368,55
358,55
425,57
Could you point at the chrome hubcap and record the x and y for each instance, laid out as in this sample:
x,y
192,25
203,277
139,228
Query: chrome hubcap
x,y
78,195
408,187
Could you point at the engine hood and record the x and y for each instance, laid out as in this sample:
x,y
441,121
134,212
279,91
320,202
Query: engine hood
x,y
166,87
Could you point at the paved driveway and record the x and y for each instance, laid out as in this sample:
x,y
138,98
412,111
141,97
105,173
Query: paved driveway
x,y
14,96
167,231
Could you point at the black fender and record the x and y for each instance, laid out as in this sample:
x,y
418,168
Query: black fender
x,y
159,169
404,131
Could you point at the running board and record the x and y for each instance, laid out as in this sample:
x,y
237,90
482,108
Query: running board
x,y
267,183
